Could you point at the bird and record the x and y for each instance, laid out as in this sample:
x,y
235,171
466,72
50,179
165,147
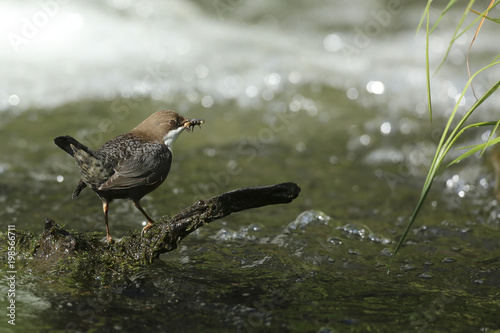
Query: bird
x,y
130,165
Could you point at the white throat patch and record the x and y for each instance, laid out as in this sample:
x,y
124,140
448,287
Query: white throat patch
x,y
172,135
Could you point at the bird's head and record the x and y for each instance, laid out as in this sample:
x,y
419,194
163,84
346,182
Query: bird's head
x,y
166,126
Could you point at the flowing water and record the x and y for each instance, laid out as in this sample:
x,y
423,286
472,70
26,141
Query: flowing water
x,y
329,94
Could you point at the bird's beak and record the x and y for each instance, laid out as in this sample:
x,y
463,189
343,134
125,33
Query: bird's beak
x,y
189,124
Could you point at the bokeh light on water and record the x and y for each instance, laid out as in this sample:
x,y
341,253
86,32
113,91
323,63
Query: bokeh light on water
x,y
326,94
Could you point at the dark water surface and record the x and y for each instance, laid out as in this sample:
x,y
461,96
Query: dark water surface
x,y
285,98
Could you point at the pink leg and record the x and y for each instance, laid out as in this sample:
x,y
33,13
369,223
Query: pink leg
x,y
150,220
105,207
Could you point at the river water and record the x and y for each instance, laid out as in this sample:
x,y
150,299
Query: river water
x,y
330,95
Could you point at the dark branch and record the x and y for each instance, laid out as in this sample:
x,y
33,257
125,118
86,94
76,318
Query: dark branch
x,y
168,235
85,255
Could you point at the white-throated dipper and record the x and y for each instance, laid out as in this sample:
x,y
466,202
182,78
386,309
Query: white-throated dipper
x,y
130,165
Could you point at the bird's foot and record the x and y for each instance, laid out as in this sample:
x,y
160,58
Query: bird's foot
x,y
146,228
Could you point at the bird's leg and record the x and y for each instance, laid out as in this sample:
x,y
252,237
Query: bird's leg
x,y
105,207
150,220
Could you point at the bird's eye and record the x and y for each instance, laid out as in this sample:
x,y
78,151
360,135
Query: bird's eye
x,y
172,122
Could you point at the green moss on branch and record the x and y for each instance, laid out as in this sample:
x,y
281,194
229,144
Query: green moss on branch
x,y
84,255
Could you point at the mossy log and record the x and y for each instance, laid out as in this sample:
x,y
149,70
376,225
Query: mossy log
x,y
87,256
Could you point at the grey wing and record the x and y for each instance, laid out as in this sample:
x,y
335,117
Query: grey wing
x,y
144,168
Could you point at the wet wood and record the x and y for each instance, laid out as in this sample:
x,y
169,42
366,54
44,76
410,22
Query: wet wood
x,y
168,235
87,253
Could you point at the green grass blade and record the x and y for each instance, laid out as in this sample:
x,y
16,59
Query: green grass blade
x,y
427,68
474,150
448,140
490,137
455,34
423,196
443,149
445,10
487,17
455,134
493,19
424,15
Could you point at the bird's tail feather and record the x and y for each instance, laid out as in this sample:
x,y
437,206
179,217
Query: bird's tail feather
x,y
81,185
65,142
